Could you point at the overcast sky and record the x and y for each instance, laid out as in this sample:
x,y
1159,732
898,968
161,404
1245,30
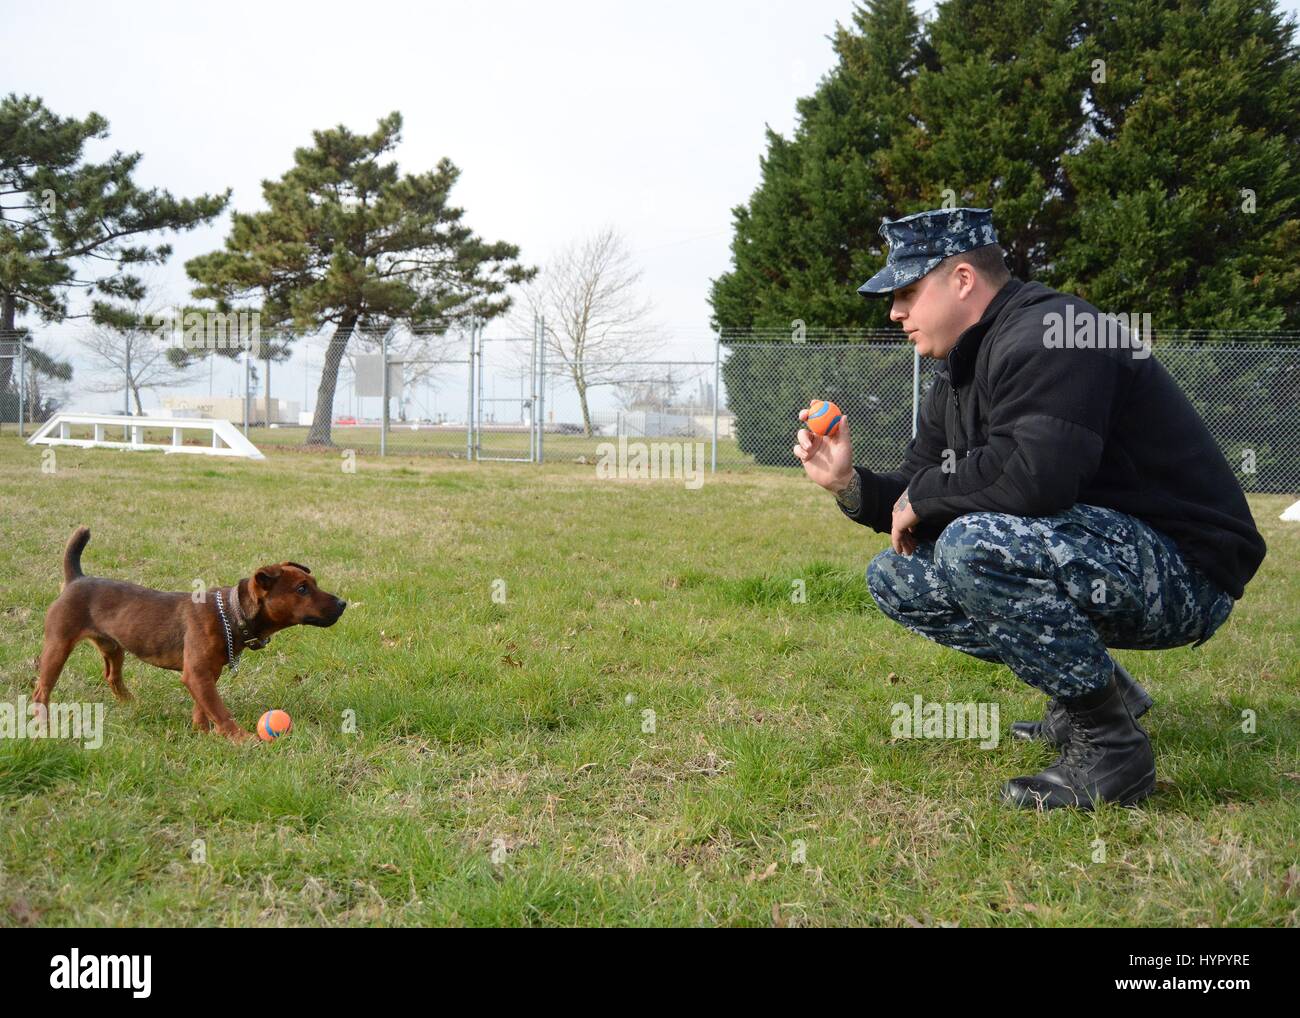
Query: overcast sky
x,y
562,116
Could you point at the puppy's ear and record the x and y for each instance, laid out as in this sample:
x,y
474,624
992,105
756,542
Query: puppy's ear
x,y
297,566
266,576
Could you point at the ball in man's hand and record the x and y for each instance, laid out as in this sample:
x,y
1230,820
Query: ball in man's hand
x,y
823,417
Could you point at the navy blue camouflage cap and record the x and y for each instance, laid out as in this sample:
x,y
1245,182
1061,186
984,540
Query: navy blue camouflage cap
x,y
919,242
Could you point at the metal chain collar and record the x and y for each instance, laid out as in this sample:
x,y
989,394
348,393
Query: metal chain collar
x,y
231,657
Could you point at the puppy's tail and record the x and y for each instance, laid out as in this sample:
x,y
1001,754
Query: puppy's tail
x,y
72,555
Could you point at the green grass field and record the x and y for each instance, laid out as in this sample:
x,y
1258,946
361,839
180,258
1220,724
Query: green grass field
x,y
500,774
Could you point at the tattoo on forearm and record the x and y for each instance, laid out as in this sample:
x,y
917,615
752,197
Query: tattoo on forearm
x,y
850,496
902,502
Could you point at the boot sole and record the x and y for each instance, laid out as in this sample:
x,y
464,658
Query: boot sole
x,y
1138,792
1131,796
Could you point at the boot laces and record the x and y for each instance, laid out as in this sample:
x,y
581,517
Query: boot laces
x,y
1079,750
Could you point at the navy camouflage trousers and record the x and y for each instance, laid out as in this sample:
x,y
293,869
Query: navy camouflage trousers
x,y
1046,595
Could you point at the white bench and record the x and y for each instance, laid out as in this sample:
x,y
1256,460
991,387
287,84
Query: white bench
x,y
226,438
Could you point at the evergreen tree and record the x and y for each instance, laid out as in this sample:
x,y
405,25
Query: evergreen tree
x,y
996,103
348,241
1140,153
809,235
69,227
1186,198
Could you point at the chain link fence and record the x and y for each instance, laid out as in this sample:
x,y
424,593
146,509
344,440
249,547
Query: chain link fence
x,y
1249,397
20,396
872,377
492,394
1244,385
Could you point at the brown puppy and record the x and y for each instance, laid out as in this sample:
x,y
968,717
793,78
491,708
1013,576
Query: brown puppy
x,y
197,639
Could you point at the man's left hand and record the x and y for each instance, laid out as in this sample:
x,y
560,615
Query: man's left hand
x,y
905,518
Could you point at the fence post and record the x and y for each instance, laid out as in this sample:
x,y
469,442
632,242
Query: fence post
x,y
717,375
478,396
916,388
22,384
532,405
541,427
383,417
469,400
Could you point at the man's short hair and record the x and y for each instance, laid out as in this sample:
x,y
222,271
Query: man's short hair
x,y
989,262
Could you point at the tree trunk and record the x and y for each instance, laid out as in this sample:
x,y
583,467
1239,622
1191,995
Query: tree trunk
x,y
580,384
33,398
329,376
139,407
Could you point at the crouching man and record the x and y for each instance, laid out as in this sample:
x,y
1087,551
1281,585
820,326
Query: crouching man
x,y
1061,497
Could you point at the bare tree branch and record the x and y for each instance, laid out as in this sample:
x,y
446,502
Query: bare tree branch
x,y
596,320
131,357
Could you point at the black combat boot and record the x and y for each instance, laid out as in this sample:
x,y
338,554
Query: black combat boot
x,y
1054,729
1108,759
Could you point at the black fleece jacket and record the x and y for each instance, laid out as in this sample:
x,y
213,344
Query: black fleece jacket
x,y
1035,428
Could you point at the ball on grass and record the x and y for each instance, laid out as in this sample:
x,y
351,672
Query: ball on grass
x,y
823,417
273,724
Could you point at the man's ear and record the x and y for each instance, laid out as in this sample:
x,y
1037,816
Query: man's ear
x,y
266,576
297,566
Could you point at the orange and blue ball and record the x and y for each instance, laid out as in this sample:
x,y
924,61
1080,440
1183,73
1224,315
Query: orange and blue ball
x,y
823,417
273,724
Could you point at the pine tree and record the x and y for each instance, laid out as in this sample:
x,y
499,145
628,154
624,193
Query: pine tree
x,y
809,234
1140,153
69,227
995,104
346,240
1187,199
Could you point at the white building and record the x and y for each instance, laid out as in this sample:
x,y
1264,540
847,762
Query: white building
x,y
231,408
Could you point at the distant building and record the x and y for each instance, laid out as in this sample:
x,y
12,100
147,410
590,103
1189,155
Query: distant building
x,y
231,408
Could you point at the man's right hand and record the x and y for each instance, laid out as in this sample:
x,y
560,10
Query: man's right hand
x,y
826,461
